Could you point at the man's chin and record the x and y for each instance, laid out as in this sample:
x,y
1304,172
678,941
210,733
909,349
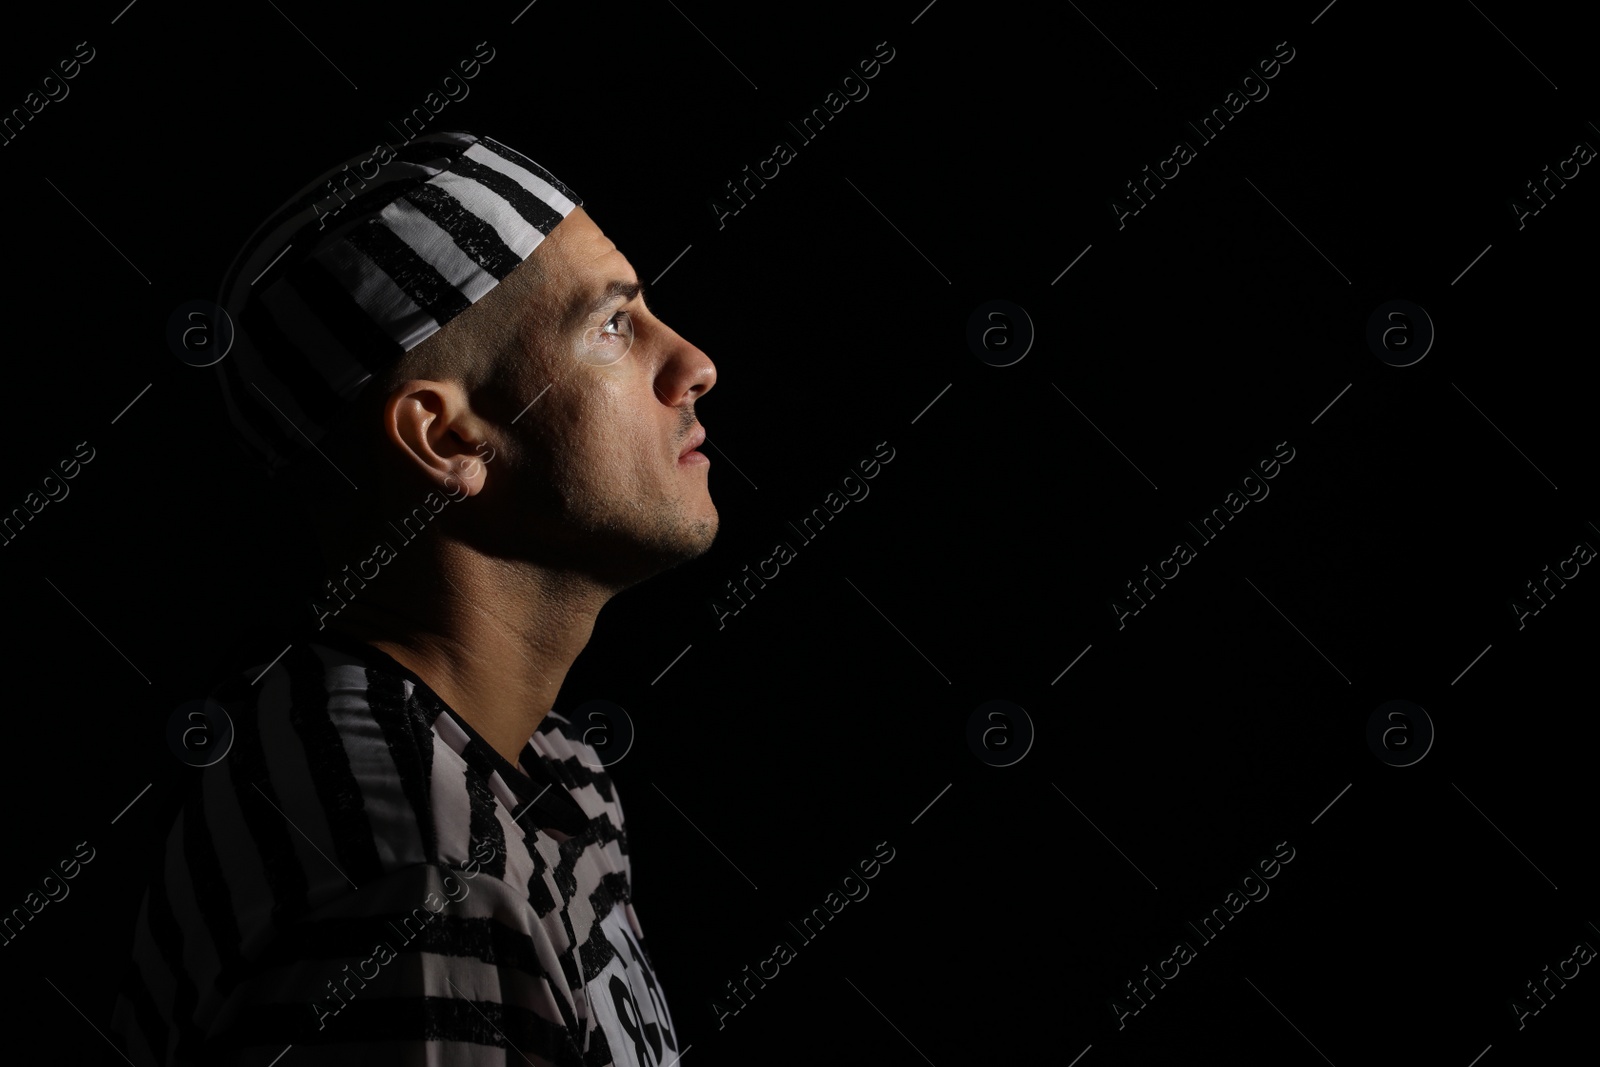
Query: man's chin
x,y
696,541
642,560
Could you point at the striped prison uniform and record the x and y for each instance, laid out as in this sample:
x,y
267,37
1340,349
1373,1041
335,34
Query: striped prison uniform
x,y
363,880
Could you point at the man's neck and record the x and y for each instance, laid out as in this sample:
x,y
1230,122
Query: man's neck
x,y
493,639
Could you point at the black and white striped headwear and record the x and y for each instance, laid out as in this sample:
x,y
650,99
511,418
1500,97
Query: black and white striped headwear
x,y
364,264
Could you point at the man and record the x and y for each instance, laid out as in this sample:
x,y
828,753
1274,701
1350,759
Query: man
x,y
406,856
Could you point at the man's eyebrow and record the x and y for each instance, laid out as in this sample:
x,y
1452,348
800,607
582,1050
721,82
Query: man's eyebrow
x,y
617,291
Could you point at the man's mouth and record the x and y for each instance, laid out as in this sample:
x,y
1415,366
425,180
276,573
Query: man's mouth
x,y
690,455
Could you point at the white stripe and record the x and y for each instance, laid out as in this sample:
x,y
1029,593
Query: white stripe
x,y
518,234
579,910
503,792
452,807
447,727
435,247
523,177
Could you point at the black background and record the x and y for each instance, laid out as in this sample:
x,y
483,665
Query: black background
x,y
825,717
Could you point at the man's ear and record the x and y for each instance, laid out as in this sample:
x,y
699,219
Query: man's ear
x,y
433,426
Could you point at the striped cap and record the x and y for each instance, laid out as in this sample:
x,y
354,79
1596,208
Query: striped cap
x,y
364,264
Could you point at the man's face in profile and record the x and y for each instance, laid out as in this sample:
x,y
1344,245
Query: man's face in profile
x,y
600,414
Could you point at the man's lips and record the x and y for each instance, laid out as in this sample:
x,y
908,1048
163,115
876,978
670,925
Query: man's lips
x,y
689,454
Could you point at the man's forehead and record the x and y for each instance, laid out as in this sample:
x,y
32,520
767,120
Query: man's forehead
x,y
580,270
577,241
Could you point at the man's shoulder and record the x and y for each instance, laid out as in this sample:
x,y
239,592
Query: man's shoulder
x,y
327,745
320,691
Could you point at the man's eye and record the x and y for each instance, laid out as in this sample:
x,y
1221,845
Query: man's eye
x,y
614,337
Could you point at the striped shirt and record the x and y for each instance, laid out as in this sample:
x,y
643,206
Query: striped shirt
x,y
363,880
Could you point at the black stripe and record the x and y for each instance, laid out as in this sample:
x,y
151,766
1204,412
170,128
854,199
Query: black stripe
x,y
485,828
539,895
415,276
551,808
572,772
534,211
596,952
425,152
412,752
355,330
329,766
597,831
544,903
577,774
475,237
426,704
565,877
614,887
